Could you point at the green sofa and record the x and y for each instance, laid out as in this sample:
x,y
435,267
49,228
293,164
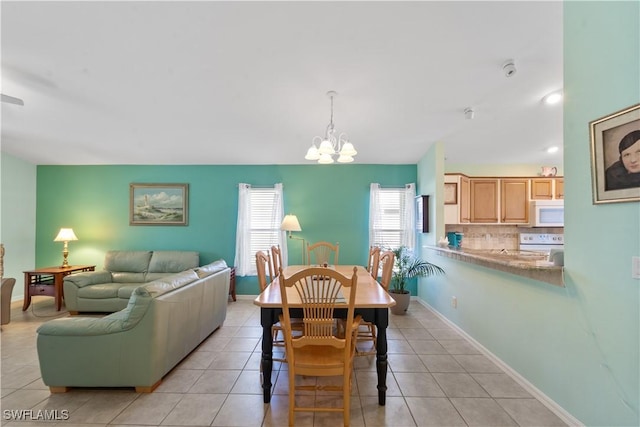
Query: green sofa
x,y
109,290
164,320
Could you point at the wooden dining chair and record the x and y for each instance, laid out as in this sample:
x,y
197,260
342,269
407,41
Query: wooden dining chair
x,y
321,253
276,257
263,261
374,261
319,352
367,330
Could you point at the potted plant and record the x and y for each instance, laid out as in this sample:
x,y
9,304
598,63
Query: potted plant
x,y
407,266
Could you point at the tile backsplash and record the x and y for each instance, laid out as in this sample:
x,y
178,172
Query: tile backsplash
x,y
491,237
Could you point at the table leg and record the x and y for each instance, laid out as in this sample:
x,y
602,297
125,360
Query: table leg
x,y
267,320
58,281
27,295
382,321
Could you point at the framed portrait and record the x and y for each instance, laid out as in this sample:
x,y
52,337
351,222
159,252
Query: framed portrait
x,y
615,156
158,204
450,193
422,214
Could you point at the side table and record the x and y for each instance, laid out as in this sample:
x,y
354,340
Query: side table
x,y
48,281
232,283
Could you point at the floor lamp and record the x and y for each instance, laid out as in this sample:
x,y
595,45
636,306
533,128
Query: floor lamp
x,y
290,223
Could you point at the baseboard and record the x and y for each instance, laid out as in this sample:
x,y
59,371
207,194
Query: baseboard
x,y
533,390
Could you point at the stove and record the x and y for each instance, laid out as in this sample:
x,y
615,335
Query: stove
x,y
541,242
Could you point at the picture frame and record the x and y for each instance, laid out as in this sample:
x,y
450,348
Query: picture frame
x,y
158,204
615,156
422,214
450,193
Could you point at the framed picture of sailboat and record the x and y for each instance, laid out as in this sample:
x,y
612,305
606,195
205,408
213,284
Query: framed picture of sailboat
x,y
158,204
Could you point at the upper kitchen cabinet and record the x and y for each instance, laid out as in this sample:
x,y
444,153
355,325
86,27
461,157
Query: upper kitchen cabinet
x,y
547,188
514,201
484,200
464,200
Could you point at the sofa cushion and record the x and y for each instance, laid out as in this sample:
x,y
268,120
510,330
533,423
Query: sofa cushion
x,y
104,290
126,277
173,261
126,290
169,283
209,269
127,261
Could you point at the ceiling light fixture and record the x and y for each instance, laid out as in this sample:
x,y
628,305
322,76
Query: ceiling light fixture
x,y
331,146
552,150
553,97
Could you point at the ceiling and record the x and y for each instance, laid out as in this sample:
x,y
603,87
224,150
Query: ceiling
x,y
245,82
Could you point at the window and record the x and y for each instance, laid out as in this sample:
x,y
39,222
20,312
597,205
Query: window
x,y
259,217
392,216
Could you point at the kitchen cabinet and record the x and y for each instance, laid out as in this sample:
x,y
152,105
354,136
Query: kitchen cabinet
x,y
484,200
559,188
464,199
542,189
514,201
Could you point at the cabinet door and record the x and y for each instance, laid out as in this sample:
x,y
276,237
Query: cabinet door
x,y
513,201
484,200
541,189
464,200
559,193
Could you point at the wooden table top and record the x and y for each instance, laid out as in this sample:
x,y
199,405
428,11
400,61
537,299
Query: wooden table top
x,y
369,293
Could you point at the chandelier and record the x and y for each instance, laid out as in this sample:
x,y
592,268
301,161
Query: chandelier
x,y
330,145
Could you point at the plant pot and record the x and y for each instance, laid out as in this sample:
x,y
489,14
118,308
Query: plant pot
x,y
402,302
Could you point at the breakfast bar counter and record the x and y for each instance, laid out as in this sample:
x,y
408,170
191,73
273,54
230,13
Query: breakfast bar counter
x,y
522,263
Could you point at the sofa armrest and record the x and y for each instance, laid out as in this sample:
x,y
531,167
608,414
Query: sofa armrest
x,y
88,278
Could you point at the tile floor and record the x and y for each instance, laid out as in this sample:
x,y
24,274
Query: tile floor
x,y
436,378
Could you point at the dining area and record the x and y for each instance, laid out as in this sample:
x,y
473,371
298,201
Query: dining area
x,y
324,314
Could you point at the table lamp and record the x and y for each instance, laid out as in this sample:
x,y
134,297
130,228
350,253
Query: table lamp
x,y
65,235
290,223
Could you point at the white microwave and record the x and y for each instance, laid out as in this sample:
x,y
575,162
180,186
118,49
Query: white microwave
x,y
547,213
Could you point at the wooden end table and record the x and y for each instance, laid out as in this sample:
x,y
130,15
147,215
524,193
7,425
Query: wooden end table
x,y
232,283
48,281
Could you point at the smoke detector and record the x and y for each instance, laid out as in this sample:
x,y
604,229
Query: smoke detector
x,y
509,68
469,113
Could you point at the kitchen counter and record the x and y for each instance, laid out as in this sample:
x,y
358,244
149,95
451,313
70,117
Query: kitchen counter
x,y
522,263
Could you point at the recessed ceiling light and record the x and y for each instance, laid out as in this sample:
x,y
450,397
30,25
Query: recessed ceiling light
x,y
553,98
553,149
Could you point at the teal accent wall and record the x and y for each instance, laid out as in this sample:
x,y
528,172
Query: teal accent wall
x,y
331,202
18,218
579,345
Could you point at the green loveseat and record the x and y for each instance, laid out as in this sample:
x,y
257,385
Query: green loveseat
x,y
164,320
109,290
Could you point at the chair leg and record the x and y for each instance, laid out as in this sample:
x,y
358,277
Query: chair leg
x,y
292,396
346,392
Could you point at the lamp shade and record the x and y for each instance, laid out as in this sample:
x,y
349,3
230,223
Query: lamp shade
x,y
290,223
65,235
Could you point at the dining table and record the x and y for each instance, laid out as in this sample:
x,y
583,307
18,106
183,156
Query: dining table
x,y
372,302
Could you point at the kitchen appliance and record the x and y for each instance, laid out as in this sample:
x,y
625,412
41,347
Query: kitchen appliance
x,y
541,242
547,213
455,239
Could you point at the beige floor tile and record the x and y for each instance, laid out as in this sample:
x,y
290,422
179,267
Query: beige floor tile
x,y
249,382
406,363
149,408
230,360
477,363
242,344
441,363
278,412
459,385
530,412
214,382
103,406
434,412
24,399
394,413
179,381
368,384
195,410
500,385
459,347
418,384
427,347
416,334
198,360
399,346
482,412
246,410
444,334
